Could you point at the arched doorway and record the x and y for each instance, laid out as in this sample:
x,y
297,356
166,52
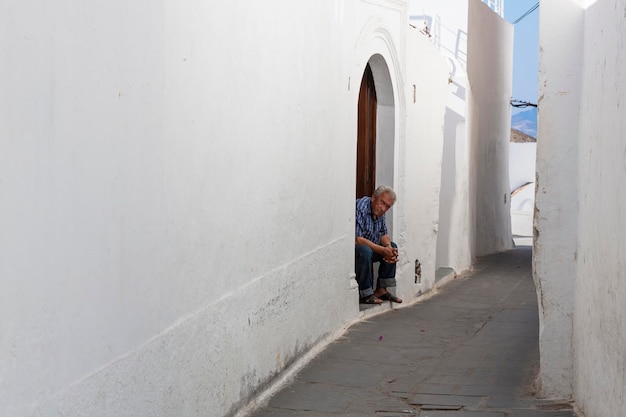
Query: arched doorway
x,y
376,130
366,136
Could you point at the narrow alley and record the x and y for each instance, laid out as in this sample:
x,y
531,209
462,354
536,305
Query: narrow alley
x,y
469,351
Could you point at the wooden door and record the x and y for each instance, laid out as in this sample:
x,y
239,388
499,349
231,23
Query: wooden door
x,y
366,137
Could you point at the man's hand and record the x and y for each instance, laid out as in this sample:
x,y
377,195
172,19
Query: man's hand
x,y
384,250
390,255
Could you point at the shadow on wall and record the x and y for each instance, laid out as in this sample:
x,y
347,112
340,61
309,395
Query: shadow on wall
x,y
522,210
448,194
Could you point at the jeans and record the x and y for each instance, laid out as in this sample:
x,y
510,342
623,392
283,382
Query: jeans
x,y
364,260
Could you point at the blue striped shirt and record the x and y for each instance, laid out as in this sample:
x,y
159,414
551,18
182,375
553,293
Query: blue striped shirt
x,y
366,225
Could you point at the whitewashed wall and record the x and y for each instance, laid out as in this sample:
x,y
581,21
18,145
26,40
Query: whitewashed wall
x,y
522,211
555,245
426,91
490,71
522,171
177,194
579,244
446,21
474,218
600,310
522,163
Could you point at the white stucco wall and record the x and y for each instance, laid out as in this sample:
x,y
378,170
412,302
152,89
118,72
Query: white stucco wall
x,y
522,211
490,72
555,245
426,92
156,215
522,163
579,244
522,171
473,217
447,23
600,310
176,190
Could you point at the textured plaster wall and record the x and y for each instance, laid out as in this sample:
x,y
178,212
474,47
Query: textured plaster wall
x,y
522,163
522,171
426,91
556,230
177,195
579,244
446,21
490,71
473,216
600,311
160,219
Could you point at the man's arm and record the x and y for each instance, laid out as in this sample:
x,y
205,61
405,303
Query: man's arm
x,y
385,240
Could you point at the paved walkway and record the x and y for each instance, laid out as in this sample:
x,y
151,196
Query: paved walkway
x,y
469,351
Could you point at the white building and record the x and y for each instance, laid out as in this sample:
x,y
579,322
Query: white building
x,y
474,214
579,247
177,189
522,172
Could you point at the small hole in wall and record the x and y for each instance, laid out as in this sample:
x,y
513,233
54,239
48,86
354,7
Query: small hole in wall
x,y
418,271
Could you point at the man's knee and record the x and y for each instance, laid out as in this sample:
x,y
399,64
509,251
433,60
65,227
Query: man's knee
x,y
364,252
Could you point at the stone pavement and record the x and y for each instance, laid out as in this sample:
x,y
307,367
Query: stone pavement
x,y
471,350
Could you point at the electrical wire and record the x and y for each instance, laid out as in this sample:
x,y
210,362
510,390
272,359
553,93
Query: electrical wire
x,y
532,9
522,104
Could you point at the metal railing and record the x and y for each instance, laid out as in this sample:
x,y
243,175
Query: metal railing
x,y
496,5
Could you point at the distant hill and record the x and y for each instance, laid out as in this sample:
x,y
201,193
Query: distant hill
x,y
521,137
525,122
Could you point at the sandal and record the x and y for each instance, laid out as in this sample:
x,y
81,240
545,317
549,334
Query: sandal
x,y
390,297
370,299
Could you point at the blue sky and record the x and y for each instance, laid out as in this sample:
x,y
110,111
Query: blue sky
x,y
525,49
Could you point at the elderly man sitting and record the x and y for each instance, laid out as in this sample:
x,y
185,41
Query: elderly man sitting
x,y
373,244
